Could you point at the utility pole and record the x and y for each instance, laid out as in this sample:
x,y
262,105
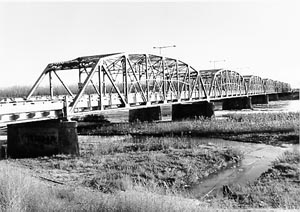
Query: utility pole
x,y
162,47
216,61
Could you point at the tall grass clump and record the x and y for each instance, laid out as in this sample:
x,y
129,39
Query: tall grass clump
x,y
20,192
14,188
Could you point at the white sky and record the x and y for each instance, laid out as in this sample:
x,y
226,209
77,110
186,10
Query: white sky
x,y
254,37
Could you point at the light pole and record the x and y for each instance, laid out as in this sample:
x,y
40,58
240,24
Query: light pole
x,y
162,47
216,61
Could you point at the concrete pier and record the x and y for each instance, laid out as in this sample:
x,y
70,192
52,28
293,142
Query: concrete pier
x,y
273,97
191,111
149,114
42,138
237,103
260,99
288,96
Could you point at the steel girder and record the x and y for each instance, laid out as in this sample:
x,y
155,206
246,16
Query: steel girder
x,y
223,83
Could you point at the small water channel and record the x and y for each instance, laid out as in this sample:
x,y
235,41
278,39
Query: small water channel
x,y
257,159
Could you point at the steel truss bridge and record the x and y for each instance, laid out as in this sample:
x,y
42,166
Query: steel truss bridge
x,y
122,81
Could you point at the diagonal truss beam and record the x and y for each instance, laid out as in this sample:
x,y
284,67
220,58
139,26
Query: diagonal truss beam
x,y
65,86
37,83
115,86
137,81
85,84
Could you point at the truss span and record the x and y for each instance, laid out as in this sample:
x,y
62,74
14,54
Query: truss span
x,y
223,83
254,85
124,80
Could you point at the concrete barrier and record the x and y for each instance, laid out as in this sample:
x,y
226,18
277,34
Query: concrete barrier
x,y
42,138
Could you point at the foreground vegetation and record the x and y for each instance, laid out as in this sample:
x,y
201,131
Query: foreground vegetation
x,y
20,191
110,166
121,175
243,127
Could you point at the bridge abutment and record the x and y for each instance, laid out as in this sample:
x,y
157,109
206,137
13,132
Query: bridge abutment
x,y
237,103
260,99
192,110
42,138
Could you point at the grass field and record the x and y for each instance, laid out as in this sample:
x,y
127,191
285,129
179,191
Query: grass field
x,y
153,175
19,192
126,175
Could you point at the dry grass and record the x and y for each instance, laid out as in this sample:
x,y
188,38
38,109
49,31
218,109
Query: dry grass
x,y
21,192
172,163
125,175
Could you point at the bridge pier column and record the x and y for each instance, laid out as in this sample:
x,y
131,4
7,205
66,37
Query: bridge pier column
x,y
42,138
145,114
273,97
237,103
260,99
193,110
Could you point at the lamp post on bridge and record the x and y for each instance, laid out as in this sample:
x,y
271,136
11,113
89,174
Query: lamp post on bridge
x,y
163,47
216,61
